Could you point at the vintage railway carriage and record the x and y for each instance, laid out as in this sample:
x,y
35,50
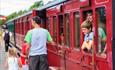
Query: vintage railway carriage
x,y
63,22
63,19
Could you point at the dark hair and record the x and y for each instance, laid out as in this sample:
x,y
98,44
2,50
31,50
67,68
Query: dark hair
x,y
5,26
89,13
37,20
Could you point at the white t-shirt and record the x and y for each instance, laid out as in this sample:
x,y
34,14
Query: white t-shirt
x,y
12,63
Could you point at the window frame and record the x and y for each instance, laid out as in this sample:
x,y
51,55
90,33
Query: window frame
x,y
78,31
54,34
65,33
105,29
61,38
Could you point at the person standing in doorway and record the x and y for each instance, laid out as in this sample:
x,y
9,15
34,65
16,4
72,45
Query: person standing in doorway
x,y
6,36
36,39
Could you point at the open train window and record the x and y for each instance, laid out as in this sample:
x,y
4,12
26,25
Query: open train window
x,y
48,23
54,29
27,24
22,26
77,29
86,14
15,26
87,29
101,21
20,23
67,29
61,29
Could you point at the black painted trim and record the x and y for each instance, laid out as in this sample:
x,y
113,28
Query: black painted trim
x,y
113,33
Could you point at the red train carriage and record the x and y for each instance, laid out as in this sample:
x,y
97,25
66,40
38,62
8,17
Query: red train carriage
x,y
63,19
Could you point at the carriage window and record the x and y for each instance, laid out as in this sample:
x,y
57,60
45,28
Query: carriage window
x,y
61,29
20,22
54,29
22,26
88,31
48,24
67,23
27,24
77,29
87,15
25,27
101,21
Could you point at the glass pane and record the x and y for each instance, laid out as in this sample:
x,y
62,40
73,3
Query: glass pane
x,y
77,29
67,29
54,29
101,21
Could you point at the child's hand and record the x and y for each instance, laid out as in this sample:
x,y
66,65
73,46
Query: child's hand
x,y
6,66
19,62
26,61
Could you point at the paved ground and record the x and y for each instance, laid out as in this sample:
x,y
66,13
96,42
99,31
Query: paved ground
x,y
2,56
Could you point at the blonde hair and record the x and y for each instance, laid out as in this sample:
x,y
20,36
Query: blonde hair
x,y
12,52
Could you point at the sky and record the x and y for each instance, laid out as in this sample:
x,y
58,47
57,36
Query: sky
x,y
9,6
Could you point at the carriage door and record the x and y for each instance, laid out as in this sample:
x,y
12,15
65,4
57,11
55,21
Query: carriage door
x,y
53,57
88,56
61,41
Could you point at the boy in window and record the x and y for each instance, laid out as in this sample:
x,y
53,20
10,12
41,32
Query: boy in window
x,y
88,38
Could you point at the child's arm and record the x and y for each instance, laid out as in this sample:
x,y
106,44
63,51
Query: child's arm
x,y
89,45
6,63
105,49
27,49
22,55
19,62
83,45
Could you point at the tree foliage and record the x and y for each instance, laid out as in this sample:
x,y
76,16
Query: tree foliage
x,y
21,12
12,15
1,22
36,5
